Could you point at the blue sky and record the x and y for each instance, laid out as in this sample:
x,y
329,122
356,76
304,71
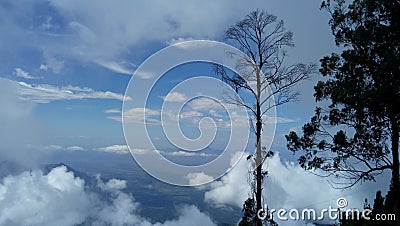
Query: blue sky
x,y
65,66
55,47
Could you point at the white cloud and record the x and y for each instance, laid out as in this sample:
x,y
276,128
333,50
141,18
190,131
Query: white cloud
x,y
204,103
269,119
139,115
23,74
189,215
173,41
111,185
145,74
43,67
192,114
286,186
56,147
116,67
52,63
175,97
232,188
137,151
96,37
112,111
116,148
31,194
45,93
124,149
52,147
74,148
198,178
11,106
187,153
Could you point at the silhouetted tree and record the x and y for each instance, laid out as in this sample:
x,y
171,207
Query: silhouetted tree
x,y
249,213
379,208
263,39
354,134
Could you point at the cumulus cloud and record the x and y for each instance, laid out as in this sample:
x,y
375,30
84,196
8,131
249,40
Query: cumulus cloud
x,y
196,109
189,216
198,178
31,194
175,97
204,103
287,186
231,189
139,115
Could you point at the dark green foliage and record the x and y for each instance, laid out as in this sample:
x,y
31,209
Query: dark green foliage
x,y
354,134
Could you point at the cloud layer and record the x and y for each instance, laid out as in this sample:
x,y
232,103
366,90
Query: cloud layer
x,y
288,186
61,198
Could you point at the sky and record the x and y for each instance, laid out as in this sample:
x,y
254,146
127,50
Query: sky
x,y
66,65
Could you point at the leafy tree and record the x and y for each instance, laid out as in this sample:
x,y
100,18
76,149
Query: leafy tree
x,y
263,39
354,134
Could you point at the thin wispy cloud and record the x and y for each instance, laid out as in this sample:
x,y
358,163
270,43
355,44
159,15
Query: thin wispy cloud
x,y
23,74
112,111
116,148
116,67
45,93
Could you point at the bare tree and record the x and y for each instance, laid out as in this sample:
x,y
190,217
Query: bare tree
x,y
262,74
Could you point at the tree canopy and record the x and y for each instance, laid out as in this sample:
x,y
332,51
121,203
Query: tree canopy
x,y
354,134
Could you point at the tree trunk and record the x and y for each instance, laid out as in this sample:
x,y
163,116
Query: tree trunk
x,y
395,169
259,165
